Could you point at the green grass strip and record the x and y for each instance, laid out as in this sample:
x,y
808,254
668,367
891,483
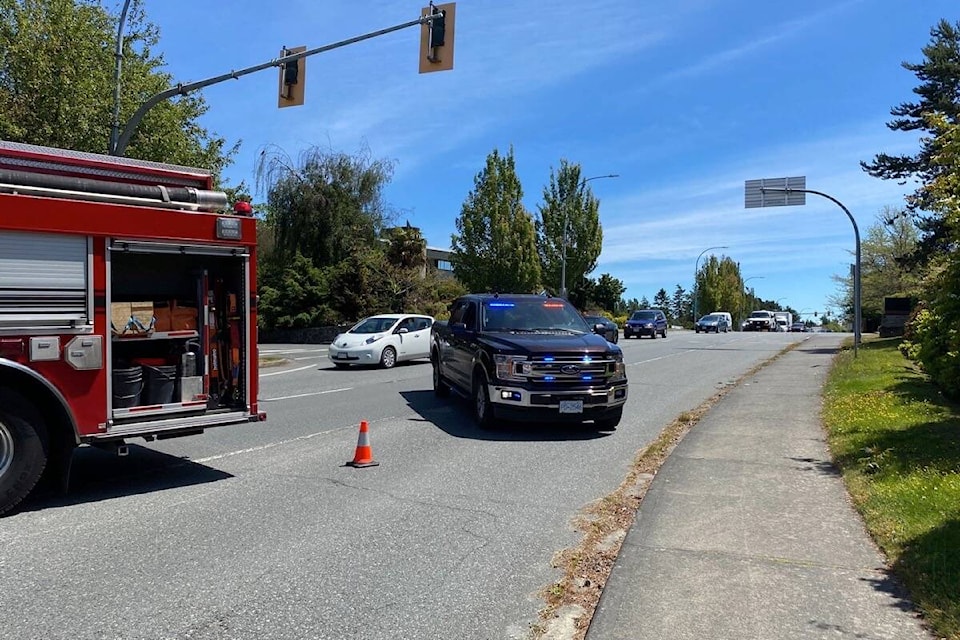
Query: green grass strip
x,y
896,440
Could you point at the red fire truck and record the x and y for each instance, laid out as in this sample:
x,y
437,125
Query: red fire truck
x,y
128,308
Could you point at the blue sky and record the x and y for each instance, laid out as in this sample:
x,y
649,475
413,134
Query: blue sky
x,y
684,100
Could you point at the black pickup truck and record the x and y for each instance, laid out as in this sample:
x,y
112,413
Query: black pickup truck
x,y
528,357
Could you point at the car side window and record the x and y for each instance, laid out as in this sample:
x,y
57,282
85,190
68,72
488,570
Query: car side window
x,y
458,311
465,312
470,316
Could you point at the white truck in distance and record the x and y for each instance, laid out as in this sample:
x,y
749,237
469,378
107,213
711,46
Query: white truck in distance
x,y
784,320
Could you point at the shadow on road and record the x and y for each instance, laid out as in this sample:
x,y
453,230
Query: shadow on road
x,y
100,475
453,416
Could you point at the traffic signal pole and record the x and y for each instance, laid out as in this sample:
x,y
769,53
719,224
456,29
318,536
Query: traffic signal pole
x,y
183,89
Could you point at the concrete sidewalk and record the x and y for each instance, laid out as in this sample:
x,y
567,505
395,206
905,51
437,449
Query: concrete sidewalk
x,y
747,530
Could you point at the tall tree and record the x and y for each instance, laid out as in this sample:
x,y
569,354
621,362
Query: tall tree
x,y
680,304
939,93
327,207
662,301
570,211
57,86
608,293
495,247
719,286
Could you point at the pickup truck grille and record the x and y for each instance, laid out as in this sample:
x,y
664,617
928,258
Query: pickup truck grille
x,y
573,368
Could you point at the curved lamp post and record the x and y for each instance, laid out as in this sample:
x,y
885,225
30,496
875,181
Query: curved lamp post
x,y
566,219
696,270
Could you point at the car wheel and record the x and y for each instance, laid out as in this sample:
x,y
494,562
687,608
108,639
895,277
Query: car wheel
x,y
482,407
664,334
616,337
388,357
440,387
611,421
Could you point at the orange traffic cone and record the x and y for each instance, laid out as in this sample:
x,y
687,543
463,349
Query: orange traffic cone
x,y
364,455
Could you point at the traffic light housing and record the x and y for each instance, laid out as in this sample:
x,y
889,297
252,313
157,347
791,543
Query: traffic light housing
x,y
436,38
292,78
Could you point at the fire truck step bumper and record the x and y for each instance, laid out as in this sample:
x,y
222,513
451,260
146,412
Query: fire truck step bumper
x,y
176,424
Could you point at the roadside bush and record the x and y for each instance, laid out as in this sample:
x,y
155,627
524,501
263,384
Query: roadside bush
x,y
933,335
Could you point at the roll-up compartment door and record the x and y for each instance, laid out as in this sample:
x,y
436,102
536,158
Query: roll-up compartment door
x,y
43,280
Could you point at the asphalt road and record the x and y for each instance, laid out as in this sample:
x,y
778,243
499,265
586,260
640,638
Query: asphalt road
x,y
259,531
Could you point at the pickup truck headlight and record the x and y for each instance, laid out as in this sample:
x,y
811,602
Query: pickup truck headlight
x,y
619,370
510,367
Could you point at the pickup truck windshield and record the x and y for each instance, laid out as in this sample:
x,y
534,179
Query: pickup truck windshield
x,y
547,314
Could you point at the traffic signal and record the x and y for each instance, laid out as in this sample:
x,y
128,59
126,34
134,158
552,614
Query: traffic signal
x,y
436,38
292,78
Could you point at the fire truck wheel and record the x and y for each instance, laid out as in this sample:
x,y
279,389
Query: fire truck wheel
x,y
22,458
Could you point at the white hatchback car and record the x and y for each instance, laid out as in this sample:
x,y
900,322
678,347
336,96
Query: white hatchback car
x,y
384,339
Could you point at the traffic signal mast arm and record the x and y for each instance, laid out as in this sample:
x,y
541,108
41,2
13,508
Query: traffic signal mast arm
x,y
183,89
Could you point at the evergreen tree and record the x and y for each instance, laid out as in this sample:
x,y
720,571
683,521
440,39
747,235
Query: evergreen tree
x,y
495,247
680,304
662,301
939,93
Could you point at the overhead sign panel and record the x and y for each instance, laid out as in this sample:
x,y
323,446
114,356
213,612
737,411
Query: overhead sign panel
x,y
775,192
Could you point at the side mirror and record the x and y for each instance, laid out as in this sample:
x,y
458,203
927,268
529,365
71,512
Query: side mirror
x,y
403,330
599,327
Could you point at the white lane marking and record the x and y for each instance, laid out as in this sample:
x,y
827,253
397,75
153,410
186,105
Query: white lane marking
x,y
306,395
271,445
277,373
310,357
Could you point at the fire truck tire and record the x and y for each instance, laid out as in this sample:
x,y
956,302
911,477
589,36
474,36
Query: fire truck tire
x,y
23,457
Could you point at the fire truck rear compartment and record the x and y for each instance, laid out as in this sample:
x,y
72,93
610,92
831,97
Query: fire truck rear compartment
x,y
179,354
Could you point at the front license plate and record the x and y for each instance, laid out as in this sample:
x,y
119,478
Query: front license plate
x,y
571,406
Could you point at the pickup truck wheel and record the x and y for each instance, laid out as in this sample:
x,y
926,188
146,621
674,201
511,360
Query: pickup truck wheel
x,y
482,408
388,357
440,387
23,457
611,421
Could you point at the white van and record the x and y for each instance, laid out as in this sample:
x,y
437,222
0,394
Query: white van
x,y
725,315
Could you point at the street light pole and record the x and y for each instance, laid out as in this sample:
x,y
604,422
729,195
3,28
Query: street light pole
x,y
566,216
696,270
118,63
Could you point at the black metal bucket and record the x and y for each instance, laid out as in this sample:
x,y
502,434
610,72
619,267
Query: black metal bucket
x,y
127,387
160,383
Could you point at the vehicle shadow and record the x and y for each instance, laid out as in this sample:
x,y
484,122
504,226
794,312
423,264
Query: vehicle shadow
x,y
452,415
97,475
